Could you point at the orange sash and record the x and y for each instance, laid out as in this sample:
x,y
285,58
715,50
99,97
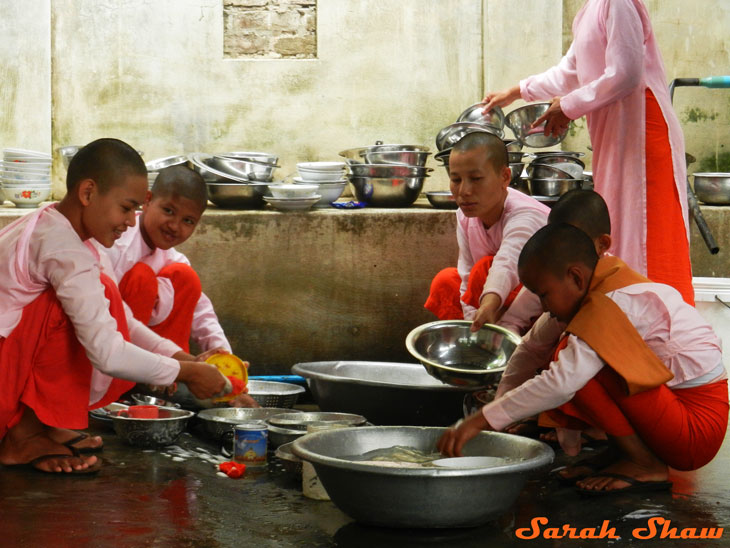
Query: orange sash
x,y
607,330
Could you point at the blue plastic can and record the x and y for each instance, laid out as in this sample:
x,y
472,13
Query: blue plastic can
x,y
250,443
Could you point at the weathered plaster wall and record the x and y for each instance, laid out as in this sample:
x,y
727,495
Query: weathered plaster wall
x,y
154,73
25,75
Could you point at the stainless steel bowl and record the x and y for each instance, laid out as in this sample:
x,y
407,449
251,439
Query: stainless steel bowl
x,y
552,187
521,184
289,460
143,399
262,157
520,121
398,157
199,162
247,169
388,170
278,435
513,145
442,199
712,188
238,195
386,191
454,354
518,156
494,117
516,170
274,394
167,161
300,421
287,427
67,153
357,155
384,392
427,497
152,432
567,161
217,422
545,171
452,134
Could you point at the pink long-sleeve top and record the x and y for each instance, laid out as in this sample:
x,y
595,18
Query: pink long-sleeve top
x,y
521,218
613,59
41,250
131,249
672,329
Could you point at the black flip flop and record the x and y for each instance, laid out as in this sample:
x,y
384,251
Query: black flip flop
x,y
594,463
635,486
82,450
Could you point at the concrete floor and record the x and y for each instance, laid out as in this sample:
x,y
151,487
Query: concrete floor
x,y
173,497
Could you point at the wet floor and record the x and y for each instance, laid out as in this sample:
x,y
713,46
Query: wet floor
x,y
173,497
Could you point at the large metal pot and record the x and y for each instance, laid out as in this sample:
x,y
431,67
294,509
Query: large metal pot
x,y
712,188
387,191
428,497
384,392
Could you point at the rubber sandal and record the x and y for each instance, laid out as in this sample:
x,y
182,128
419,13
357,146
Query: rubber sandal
x,y
594,463
71,444
635,486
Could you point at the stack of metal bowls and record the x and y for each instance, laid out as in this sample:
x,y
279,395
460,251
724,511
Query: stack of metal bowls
x,y
387,175
469,121
236,180
552,174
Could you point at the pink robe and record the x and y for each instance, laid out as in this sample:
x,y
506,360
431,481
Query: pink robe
x,y
613,58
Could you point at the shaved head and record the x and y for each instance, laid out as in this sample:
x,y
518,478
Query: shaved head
x,y
493,146
584,209
107,162
181,181
555,247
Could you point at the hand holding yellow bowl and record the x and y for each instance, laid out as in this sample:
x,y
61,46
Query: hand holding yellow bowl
x,y
229,366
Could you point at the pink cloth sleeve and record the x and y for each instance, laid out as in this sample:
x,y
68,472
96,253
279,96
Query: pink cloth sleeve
x,y
503,277
518,317
534,352
556,81
207,330
464,265
622,53
551,388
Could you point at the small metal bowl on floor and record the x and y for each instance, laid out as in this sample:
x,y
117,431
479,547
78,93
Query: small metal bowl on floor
x,y
153,432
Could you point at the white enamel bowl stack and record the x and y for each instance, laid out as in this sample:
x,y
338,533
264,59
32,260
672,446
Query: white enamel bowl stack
x,y
292,197
328,177
25,176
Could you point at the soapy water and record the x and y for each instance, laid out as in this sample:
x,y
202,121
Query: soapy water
x,y
400,456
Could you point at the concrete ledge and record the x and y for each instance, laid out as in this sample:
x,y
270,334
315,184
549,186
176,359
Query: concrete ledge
x,y
339,284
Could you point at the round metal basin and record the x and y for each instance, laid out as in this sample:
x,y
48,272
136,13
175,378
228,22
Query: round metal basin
x,y
383,392
424,497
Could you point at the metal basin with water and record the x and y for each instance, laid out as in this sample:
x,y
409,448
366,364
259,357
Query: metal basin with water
x,y
427,497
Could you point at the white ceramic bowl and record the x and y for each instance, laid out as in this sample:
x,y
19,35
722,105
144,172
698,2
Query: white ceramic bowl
x,y
329,192
26,197
21,152
321,166
293,191
333,181
313,176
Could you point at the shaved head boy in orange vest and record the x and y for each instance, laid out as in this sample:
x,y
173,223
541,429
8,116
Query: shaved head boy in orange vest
x,y
636,361
61,316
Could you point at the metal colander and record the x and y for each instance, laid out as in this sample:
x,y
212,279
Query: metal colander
x,y
274,394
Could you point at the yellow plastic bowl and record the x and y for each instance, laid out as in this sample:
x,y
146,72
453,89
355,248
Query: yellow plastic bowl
x,y
230,366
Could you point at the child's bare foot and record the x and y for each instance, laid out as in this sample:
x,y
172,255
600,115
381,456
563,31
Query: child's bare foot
x,y
77,440
28,443
589,466
639,473
43,453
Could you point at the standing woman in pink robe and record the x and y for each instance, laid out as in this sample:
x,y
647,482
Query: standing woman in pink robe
x,y
613,74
